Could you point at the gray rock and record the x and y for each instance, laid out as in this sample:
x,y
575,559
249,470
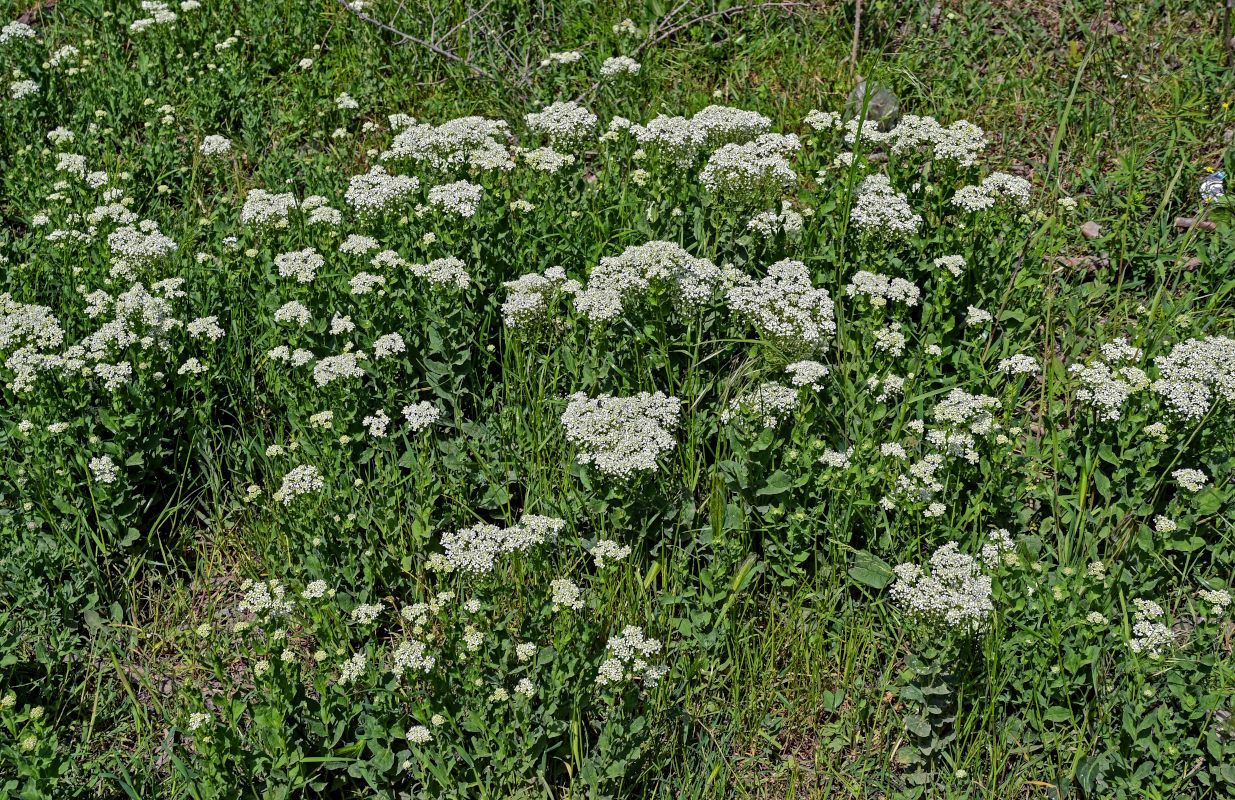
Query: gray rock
x,y
881,105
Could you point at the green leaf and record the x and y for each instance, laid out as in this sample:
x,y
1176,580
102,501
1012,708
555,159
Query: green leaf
x,y
779,482
870,570
918,726
1057,714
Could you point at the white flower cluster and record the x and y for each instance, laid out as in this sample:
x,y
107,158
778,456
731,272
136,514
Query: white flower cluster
x,y
722,125
293,311
822,120
335,368
411,655
1148,636
640,271
262,209
388,344
420,415
476,549
619,65
566,594
103,469
785,308
880,289
770,223
621,436
1107,388
751,172
446,272
265,597
1219,599
628,660
160,14
996,187
1191,479
14,31
955,594
215,145
807,373
962,416
879,210
302,480
529,297
953,264
999,546
675,138
1019,364
546,159
377,191
1195,374
366,613
140,244
771,403
607,550
300,264
460,198
466,141
837,459
564,123
568,57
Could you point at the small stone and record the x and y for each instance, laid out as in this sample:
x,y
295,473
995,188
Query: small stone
x,y
881,105
1091,230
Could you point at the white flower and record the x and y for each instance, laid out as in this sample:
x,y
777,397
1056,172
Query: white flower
x,y
387,345
641,271
293,311
564,123
823,120
15,31
566,594
366,613
377,191
1191,479
215,145
770,402
956,593
1149,637
1019,364
476,549
421,415
953,264
302,480
568,57
881,211
105,471
628,659
1194,374
608,549
20,89
300,264
460,198
785,308
621,435
976,316
753,171
472,141
613,67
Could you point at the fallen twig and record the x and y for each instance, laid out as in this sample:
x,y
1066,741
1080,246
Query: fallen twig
x,y
406,37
